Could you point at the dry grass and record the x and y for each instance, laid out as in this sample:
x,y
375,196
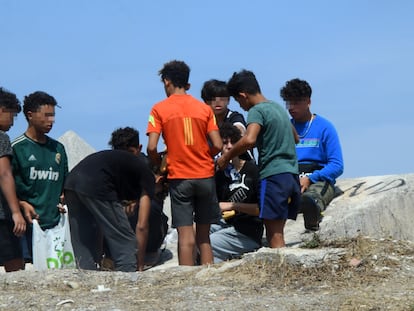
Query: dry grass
x,y
383,280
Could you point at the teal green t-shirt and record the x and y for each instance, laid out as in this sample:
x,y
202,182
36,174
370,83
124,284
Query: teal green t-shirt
x,y
275,142
40,171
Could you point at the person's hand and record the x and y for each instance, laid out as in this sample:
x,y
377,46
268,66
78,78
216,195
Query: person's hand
x,y
19,224
222,162
305,182
61,208
226,206
129,207
29,212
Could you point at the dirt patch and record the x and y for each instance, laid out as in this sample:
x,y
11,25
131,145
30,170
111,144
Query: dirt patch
x,y
371,275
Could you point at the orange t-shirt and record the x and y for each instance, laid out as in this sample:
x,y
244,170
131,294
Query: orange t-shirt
x,y
184,123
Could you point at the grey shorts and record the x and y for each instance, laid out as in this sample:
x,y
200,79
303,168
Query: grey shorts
x,y
194,200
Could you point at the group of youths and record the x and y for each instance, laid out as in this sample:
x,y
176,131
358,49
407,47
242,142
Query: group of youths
x,y
221,199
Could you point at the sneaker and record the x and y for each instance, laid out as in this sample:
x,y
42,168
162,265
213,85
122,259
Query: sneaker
x,y
311,213
152,259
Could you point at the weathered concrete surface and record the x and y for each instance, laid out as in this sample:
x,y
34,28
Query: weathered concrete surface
x,y
375,206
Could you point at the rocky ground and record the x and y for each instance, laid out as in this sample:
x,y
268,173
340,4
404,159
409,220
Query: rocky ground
x,y
360,274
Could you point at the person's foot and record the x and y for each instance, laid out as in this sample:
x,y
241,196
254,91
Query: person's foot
x,y
311,213
107,264
152,258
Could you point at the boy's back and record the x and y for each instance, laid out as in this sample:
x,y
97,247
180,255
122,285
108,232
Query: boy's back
x,y
185,123
275,142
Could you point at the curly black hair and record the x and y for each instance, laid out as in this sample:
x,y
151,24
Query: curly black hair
x,y
214,88
9,100
177,72
33,101
229,131
296,89
122,138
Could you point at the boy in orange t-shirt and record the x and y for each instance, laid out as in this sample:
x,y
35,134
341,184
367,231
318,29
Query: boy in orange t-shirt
x,y
191,135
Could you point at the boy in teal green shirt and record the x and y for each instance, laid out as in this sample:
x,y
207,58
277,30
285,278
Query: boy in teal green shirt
x,y
269,129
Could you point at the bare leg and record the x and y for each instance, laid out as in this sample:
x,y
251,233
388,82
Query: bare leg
x,y
195,251
186,244
14,265
203,243
274,232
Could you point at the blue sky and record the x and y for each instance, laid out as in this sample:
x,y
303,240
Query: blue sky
x,y
100,60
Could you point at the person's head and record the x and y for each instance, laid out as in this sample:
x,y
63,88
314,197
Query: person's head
x,y
127,139
215,94
230,135
297,95
9,108
175,74
39,110
242,85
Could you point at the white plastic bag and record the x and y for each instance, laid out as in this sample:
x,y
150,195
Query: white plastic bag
x,y
52,248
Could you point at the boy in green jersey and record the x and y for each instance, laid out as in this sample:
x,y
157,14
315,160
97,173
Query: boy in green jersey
x,y
40,165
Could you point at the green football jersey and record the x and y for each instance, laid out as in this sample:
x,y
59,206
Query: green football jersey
x,y
40,171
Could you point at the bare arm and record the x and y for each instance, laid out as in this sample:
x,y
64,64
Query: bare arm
x,y
9,191
247,142
246,208
216,142
142,227
152,148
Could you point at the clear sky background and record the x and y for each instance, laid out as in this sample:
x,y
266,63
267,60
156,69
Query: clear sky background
x,y
100,60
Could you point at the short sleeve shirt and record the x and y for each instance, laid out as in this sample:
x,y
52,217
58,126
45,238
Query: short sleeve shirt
x,y
39,171
5,151
184,123
275,142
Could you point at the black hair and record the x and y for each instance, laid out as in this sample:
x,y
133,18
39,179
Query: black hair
x,y
296,89
9,100
33,101
177,72
229,131
123,138
214,88
232,132
243,81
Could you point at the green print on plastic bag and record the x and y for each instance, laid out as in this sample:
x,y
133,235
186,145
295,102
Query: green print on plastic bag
x,y
63,258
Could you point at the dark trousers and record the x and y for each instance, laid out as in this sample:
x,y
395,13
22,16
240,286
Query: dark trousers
x,y
157,226
91,220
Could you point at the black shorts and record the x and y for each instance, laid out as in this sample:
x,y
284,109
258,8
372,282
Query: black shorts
x,y
9,243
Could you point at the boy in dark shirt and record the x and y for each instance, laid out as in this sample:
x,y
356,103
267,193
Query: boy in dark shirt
x,y
237,192
94,192
12,223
